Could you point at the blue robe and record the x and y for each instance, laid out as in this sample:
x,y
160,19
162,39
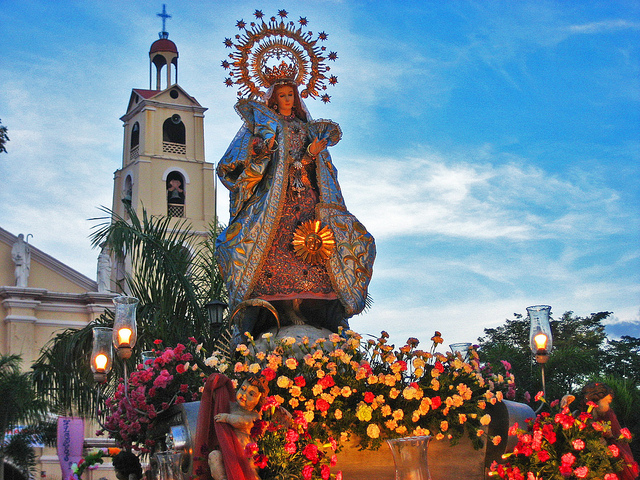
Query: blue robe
x,y
258,186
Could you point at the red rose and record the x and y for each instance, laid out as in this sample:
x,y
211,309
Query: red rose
x,y
435,402
269,373
369,397
300,381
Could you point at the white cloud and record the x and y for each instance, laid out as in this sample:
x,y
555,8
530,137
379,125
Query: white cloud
x,y
603,26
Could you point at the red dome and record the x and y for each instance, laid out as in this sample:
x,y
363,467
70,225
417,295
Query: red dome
x,y
163,45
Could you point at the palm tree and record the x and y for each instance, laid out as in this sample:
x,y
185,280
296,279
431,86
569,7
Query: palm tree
x,y
19,408
173,275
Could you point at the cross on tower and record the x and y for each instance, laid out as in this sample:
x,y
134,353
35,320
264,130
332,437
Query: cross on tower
x,y
164,15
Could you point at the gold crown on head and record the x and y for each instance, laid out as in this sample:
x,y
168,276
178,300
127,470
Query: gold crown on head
x,y
280,73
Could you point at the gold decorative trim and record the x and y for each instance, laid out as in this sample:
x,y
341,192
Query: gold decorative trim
x,y
313,242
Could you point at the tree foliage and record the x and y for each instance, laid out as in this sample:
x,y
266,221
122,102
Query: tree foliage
x,y
581,353
19,407
173,275
3,138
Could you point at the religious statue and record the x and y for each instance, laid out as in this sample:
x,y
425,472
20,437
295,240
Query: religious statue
x,y
104,270
291,243
224,427
21,256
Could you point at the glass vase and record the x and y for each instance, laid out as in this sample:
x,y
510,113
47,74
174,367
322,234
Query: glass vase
x,y
168,466
410,457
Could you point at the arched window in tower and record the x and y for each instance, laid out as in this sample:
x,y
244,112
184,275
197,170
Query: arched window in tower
x,y
173,135
175,195
135,141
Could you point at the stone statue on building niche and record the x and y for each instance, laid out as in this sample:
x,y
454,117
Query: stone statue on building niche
x,y
21,256
104,270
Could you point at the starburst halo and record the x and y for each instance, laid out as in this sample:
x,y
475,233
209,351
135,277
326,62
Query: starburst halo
x,y
313,242
262,47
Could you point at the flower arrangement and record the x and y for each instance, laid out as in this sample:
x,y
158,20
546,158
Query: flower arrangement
x,y
558,445
155,386
283,449
344,385
91,461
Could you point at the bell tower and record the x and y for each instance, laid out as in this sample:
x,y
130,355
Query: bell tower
x,y
163,163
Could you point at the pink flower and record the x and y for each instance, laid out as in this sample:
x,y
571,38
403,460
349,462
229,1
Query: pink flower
x,y
527,397
568,459
581,472
307,472
290,448
578,444
180,368
260,461
539,396
325,472
311,453
625,433
543,456
615,451
611,476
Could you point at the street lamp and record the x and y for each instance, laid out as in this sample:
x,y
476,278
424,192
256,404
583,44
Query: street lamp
x,y
124,325
101,353
215,311
540,337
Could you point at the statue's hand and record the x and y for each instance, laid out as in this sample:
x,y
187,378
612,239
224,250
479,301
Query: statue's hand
x,y
316,146
221,417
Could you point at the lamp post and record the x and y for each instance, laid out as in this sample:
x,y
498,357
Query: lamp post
x,y
101,353
125,333
215,311
540,337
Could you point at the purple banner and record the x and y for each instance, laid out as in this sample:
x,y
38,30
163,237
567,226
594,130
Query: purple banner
x,y
70,443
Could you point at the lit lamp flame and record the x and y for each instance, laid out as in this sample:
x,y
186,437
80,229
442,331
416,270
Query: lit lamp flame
x,y
100,362
124,337
541,341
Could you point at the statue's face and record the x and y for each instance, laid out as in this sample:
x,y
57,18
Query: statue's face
x,y
284,99
248,396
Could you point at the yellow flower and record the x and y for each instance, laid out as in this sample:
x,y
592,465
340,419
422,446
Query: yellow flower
x,y
419,431
335,338
346,391
435,384
363,412
291,363
391,424
462,418
444,425
401,430
373,430
485,419
294,403
393,393
390,380
439,436
261,356
279,399
415,416
398,414
425,406
267,336
409,393
254,368
496,440
337,414
418,362
418,372
385,410
284,382
308,415
499,396
372,379
295,391
317,389
480,433
288,341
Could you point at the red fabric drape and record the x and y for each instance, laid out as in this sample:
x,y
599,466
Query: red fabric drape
x,y
211,435
631,470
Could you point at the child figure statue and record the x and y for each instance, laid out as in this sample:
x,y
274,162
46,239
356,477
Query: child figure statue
x,y
224,427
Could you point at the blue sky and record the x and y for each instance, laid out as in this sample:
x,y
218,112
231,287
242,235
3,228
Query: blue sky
x,y
491,147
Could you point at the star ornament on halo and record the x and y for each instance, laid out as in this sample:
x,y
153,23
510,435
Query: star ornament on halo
x,y
313,242
267,44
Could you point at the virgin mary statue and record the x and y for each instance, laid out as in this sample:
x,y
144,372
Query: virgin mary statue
x,y
290,244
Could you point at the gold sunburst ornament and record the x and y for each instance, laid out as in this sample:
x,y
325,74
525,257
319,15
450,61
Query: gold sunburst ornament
x,y
267,51
313,242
